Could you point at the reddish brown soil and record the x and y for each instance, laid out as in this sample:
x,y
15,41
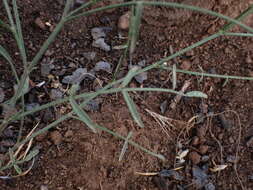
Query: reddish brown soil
x,y
89,161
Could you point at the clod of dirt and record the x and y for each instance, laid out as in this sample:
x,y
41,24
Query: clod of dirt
x,y
209,186
48,116
231,159
2,95
56,94
100,43
90,55
43,187
98,33
7,133
41,137
161,183
201,131
204,158
186,65
226,124
194,157
248,60
69,134
103,66
45,69
201,178
93,105
203,149
164,106
77,76
40,23
31,106
124,21
195,140
249,142
3,149
171,173
56,137
7,143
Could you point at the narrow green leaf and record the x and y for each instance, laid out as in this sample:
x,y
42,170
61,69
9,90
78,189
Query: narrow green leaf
x,y
135,25
123,151
20,40
18,169
11,154
132,108
129,76
31,155
174,77
21,91
82,114
196,94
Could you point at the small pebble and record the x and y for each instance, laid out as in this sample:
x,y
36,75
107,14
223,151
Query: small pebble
x,y
43,187
201,131
124,21
231,140
90,55
69,134
45,69
7,143
41,137
103,66
231,158
194,157
56,137
203,149
140,78
100,43
77,76
195,140
248,60
186,65
204,158
97,33
40,23
56,94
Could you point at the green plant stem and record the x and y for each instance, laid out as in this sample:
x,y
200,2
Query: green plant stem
x,y
168,4
238,34
245,13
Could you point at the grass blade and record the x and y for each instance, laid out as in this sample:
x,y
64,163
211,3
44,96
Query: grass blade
x,y
31,155
7,56
129,76
132,108
196,94
166,4
123,151
20,40
18,169
8,10
174,76
82,114
135,26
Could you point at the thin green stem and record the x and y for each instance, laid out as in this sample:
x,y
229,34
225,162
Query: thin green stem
x,y
238,34
168,4
245,13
